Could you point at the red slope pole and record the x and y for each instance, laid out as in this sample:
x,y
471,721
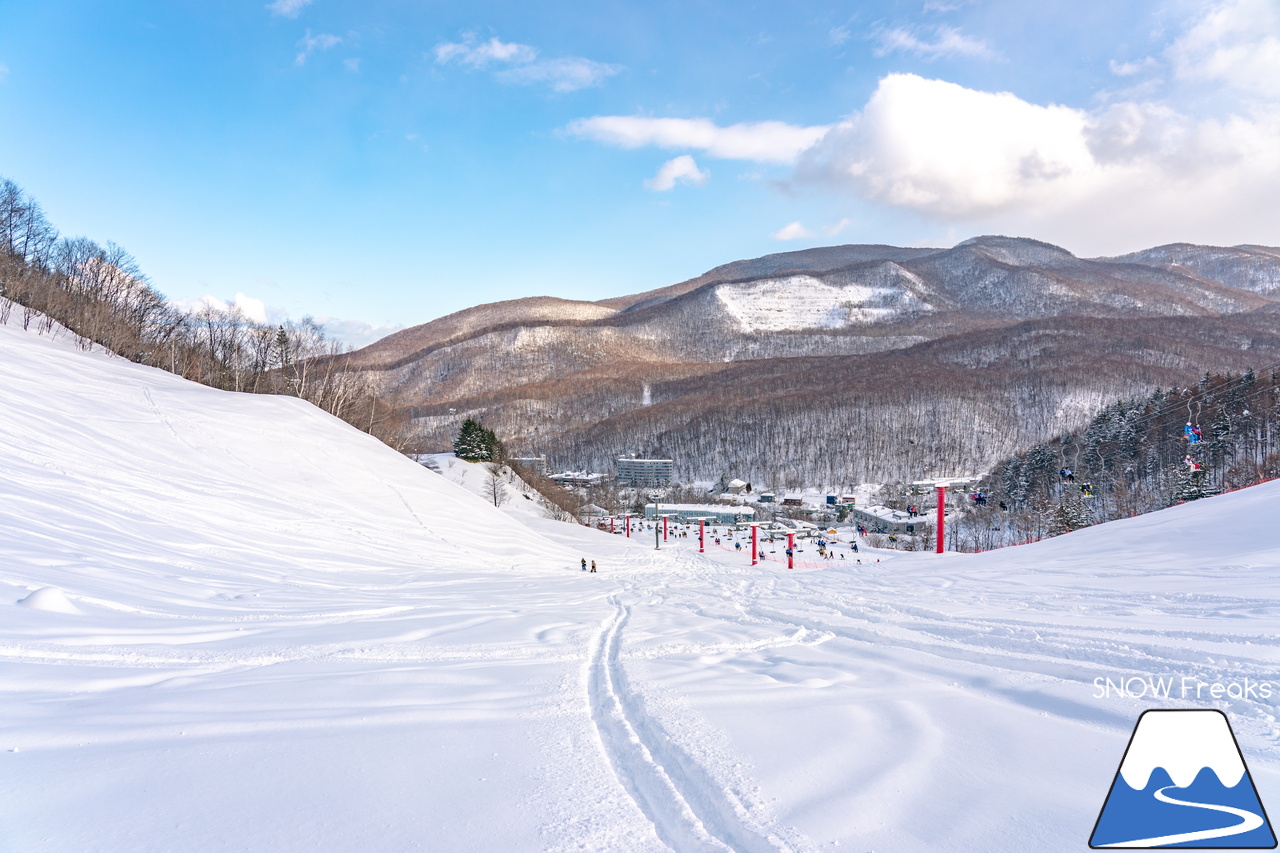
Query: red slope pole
x,y
791,550
664,528
611,521
627,522
702,542
942,510
754,552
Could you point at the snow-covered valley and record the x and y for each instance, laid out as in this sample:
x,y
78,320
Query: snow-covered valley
x,y
232,622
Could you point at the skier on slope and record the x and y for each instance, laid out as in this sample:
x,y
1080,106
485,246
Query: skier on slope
x,y
593,566
584,564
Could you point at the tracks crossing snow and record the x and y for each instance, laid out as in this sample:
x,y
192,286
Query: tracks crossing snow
x,y
687,808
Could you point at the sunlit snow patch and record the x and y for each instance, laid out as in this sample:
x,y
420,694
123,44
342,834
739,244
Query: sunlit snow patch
x,y
804,302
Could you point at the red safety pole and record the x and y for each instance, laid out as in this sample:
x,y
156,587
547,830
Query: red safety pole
x,y
611,520
791,550
942,514
664,528
627,524
754,552
702,532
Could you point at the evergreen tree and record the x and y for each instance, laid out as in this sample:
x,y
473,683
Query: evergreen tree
x,y
1192,485
281,354
1070,514
474,443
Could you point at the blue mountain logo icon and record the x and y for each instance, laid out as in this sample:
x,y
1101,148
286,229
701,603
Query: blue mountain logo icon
x,y
1183,783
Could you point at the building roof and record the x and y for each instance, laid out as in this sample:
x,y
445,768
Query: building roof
x,y
894,515
705,509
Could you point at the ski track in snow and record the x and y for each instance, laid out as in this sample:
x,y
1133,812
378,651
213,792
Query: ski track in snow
x,y
687,808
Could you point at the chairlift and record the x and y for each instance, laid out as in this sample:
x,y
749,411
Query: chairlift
x,y
1191,432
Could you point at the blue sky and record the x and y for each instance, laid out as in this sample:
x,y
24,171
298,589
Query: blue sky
x,y
386,163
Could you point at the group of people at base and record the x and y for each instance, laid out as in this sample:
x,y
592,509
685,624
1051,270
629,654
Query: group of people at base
x,y
584,564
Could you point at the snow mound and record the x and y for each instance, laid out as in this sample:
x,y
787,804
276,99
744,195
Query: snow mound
x,y
51,600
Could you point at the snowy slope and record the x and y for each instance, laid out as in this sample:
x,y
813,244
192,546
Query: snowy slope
x,y
516,497
805,302
263,631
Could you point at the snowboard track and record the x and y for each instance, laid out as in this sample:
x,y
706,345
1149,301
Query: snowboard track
x,y
688,809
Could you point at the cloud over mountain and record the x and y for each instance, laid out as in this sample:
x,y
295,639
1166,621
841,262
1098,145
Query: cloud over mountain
x,y
761,142
1186,152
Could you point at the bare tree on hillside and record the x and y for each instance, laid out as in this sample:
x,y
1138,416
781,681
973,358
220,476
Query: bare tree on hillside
x,y
494,485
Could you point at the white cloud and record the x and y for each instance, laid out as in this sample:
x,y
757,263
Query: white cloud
x,y
352,65
833,230
761,142
840,34
250,308
563,75
521,65
682,169
287,8
254,309
1128,174
310,44
792,231
1192,156
1236,43
1128,69
355,333
480,55
946,42
937,146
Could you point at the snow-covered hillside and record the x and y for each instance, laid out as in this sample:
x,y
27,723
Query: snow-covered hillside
x,y
234,623
515,497
805,302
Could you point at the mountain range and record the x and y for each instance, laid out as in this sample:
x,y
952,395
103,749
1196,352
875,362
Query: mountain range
x,y
839,364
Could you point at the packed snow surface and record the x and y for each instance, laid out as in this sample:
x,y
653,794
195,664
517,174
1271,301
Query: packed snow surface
x,y
234,623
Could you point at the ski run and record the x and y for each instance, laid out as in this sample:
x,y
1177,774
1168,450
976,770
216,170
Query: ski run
x,y
232,622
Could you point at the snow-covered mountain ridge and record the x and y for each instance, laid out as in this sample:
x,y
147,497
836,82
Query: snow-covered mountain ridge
x,y
1001,278
824,338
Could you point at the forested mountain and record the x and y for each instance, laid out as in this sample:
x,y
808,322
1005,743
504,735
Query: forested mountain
x,y
840,364
1134,456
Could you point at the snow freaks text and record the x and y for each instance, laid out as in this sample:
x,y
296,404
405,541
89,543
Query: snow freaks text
x,y
1183,687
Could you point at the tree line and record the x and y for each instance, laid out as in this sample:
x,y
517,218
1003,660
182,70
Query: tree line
x,y
99,294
